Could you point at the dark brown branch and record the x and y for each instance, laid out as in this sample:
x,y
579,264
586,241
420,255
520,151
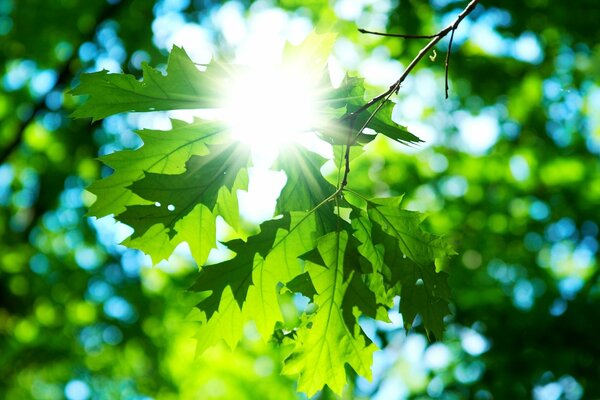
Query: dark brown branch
x,y
398,35
396,85
448,60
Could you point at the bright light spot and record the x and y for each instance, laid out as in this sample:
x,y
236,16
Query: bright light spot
x,y
437,356
269,108
527,48
257,204
473,343
478,133
77,390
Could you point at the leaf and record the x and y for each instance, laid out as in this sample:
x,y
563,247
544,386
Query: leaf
x,y
311,56
185,204
154,242
363,232
382,123
410,254
197,228
176,195
425,292
305,187
183,87
226,285
339,154
360,300
279,266
267,259
171,189
350,95
303,285
379,281
327,343
225,325
405,226
236,272
164,152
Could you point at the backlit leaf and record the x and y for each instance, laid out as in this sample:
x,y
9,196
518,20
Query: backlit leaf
x,y
325,345
183,87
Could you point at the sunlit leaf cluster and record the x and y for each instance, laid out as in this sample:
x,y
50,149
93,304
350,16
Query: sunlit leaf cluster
x,y
349,256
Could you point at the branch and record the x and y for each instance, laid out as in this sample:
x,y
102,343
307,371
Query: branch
x,y
396,85
398,35
448,60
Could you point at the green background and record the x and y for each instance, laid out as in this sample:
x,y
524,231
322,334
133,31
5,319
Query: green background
x,y
81,317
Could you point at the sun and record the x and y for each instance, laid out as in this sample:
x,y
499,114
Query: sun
x,y
269,108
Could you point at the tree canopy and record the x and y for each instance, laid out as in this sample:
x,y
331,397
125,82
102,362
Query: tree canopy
x,y
506,171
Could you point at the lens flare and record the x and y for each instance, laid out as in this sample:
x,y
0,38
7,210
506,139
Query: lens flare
x,y
269,108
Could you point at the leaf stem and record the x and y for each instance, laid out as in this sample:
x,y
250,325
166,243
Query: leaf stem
x,y
399,35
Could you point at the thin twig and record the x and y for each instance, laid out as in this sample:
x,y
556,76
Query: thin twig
x,y
347,156
398,35
416,60
353,139
396,85
448,60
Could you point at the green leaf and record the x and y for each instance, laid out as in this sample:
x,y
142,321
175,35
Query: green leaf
x,y
360,300
425,292
172,188
405,226
267,259
312,54
226,285
303,285
305,187
410,254
176,195
422,290
326,344
185,204
339,154
363,232
236,272
183,87
164,152
197,228
379,280
350,95
227,324
279,266
154,242
382,123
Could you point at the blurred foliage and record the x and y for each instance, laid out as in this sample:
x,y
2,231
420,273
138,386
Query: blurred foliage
x,y
510,172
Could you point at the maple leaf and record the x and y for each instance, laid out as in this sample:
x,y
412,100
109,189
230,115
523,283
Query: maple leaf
x,y
236,272
182,205
164,152
405,226
305,187
172,189
174,196
251,277
183,87
350,96
410,254
325,345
